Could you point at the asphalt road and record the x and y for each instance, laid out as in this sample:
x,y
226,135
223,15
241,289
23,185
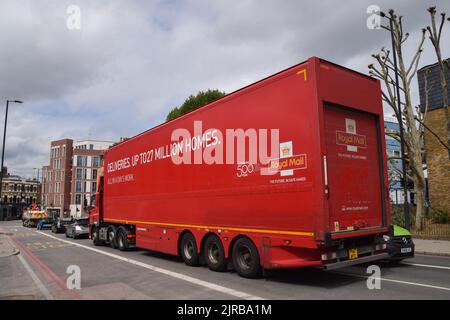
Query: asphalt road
x,y
40,271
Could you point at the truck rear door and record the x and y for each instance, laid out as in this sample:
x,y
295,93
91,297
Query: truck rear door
x,y
354,175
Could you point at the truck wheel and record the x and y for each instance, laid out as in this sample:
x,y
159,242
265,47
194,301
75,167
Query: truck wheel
x,y
95,238
246,260
122,240
112,237
188,250
215,254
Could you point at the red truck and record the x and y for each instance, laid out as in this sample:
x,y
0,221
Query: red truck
x,y
287,172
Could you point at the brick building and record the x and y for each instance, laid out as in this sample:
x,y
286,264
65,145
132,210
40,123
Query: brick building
x,y
437,158
57,177
69,179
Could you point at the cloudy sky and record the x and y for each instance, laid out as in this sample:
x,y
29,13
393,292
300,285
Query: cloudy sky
x,y
132,61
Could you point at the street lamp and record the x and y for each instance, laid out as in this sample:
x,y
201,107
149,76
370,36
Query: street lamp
x,y
400,123
3,149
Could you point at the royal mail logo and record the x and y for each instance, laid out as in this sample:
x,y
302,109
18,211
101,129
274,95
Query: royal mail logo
x,y
286,151
350,138
290,163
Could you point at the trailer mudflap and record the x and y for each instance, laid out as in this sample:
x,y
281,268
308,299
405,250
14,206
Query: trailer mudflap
x,y
347,263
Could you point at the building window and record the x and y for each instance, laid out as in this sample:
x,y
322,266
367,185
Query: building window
x,y
95,162
62,175
84,174
94,187
94,174
91,146
61,199
79,173
63,153
81,161
78,199
78,186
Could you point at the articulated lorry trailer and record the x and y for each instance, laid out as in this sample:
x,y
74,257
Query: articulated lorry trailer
x,y
287,172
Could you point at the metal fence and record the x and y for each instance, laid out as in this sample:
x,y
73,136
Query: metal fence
x,y
435,223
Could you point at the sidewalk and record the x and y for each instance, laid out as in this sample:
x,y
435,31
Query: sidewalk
x,y
6,247
435,247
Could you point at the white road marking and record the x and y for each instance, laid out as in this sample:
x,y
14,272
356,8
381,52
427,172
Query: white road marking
x,y
396,281
206,284
35,278
426,265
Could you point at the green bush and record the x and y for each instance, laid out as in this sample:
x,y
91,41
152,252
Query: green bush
x,y
440,217
397,215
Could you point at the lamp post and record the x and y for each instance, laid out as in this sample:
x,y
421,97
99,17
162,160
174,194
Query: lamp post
x,y
3,149
400,124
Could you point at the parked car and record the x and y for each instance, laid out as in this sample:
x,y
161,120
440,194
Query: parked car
x,y
45,223
78,229
60,224
400,244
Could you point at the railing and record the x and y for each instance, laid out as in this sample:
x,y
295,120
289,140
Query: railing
x,y
435,223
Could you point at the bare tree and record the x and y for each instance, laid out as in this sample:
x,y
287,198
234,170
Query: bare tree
x,y
385,71
435,37
421,114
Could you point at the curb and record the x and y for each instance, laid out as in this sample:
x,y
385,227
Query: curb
x,y
15,251
428,253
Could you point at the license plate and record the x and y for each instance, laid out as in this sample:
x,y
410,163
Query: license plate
x,y
405,250
352,254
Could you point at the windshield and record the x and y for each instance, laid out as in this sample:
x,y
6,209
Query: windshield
x,y
83,222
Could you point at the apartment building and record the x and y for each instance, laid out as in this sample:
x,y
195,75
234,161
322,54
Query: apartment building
x,y
57,176
68,181
87,158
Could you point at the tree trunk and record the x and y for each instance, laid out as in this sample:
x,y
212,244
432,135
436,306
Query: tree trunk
x,y
420,205
412,137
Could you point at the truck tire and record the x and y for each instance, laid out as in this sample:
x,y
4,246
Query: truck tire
x,y
95,237
112,237
215,254
188,250
246,259
122,240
